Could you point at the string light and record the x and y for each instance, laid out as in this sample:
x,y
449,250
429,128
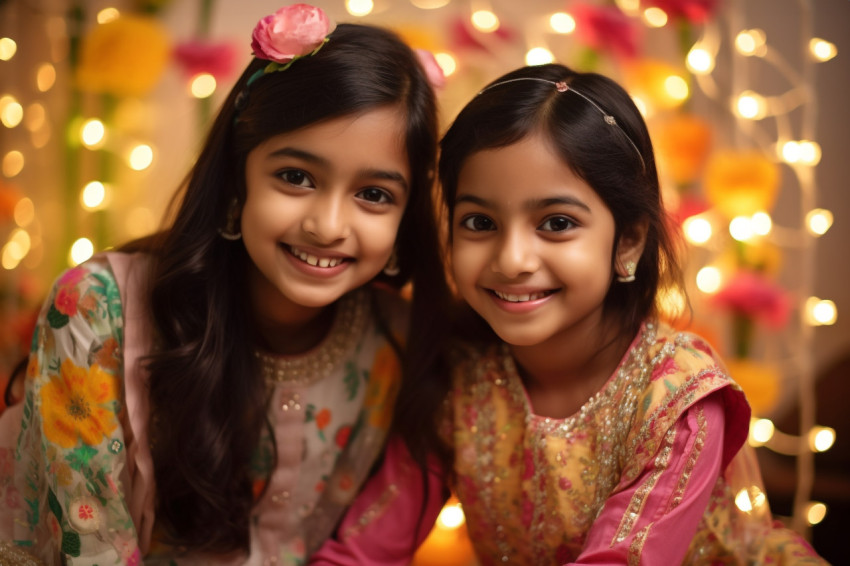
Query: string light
x,y
761,431
822,50
751,105
818,221
11,112
429,4
202,85
8,48
13,163
140,157
562,22
751,42
655,17
45,77
741,228
93,195
697,229
485,21
359,8
24,212
761,223
709,280
815,512
538,56
821,438
820,312
803,151
81,250
93,133
107,15
446,62
700,61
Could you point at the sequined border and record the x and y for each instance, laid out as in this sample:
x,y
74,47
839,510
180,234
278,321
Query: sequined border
x,y
372,512
699,443
636,547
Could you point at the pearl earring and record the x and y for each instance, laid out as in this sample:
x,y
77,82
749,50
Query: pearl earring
x,y
630,268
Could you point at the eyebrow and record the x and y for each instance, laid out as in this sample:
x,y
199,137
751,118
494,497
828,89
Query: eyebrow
x,y
388,175
533,204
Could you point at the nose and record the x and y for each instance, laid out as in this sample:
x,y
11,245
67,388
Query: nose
x,y
515,255
326,219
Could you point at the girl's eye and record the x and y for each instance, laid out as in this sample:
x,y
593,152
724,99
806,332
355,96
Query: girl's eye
x,y
477,223
296,177
375,195
557,224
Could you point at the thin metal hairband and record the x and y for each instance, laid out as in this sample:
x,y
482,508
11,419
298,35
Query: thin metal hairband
x,y
562,86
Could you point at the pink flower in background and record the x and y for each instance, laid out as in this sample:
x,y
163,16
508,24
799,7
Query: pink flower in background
x,y
754,296
695,11
432,69
293,31
605,28
464,38
216,58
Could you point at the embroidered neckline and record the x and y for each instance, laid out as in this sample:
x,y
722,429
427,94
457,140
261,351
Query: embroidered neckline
x,y
321,361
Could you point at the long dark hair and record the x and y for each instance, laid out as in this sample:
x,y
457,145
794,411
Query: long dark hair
x,y
617,161
205,391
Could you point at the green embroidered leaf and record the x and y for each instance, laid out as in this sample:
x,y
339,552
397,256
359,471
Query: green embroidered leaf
x,y
646,401
54,505
71,543
112,294
670,387
352,383
80,456
55,318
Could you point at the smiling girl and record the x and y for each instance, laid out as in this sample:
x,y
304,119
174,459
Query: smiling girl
x,y
217,393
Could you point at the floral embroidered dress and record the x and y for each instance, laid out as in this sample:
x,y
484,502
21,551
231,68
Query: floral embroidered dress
x,y
76,475
653,469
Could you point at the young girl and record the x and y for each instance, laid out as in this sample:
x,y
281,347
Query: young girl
x,y
217,394
584,430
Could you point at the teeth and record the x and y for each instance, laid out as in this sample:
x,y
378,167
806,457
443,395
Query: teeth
x,y
519,298
315,260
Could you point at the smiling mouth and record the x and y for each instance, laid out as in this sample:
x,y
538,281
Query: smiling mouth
x,y
315,260
522,298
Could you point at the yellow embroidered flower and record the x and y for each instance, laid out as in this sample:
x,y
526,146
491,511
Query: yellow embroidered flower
x,y
74,405
124,57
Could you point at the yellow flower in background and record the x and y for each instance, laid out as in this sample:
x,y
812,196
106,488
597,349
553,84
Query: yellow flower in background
x,y
760,382
74,405
124,57
658,84
682,144
741,183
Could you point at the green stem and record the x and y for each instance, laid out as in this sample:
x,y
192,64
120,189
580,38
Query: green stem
x,y
742,332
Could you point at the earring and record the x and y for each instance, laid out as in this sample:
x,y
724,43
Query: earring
x,y
630,273
230,231
392,269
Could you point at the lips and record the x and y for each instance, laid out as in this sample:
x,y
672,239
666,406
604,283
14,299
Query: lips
x,y
315,260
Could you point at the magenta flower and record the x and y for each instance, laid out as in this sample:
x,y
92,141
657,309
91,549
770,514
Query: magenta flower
x,y
432,69
216,58
291,32
755,297
695,11
605,28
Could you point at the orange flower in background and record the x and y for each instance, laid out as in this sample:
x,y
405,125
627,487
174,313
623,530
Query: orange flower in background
x,y
124,57
649,80
760,382
9,197
741,183
682,144
75,403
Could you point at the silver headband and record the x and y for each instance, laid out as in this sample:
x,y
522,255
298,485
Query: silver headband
x,y
562,86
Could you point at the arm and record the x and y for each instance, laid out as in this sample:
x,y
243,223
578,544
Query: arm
x,y
680,480
70,454
383,526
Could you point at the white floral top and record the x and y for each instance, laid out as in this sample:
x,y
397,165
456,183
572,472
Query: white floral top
x,y
75,469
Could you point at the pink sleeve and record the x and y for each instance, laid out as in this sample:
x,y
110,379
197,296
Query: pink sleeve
x,y
655,519
385,525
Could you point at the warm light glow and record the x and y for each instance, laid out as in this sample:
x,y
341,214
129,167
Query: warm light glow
x,y
697,229
446,62
35,117
202,85
815,512
24,212
741,228
451,517
742,501
359,7
761,431
672,302
676,87
107,15
761,223
700,61
141,157
641,106
11,255
22,239
538,56
751,105
11,112
45,77
93,195
81,250
561,22
802,151
8,47
818,221
655,17
709,280
821,438
93,133
751,42
822,50
820,312
13,163
629,7
485,20
429,4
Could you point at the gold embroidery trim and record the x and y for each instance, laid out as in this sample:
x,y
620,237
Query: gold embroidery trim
x,y
13,555
636,547
372,512
699,444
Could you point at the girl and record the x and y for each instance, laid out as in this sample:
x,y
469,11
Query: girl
x,y
583,429
217,393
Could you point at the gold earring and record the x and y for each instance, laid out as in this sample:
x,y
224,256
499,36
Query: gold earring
x,y
630,268
392,269
230,232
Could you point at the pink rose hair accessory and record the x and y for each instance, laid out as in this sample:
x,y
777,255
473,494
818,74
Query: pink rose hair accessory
x,y
292,32
433,71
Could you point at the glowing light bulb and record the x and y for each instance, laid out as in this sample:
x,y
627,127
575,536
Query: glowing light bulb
x,y
818,221
741,228
751,42
538,56
11,255
359,8
24,212
709,280
822,50
81,250
700,61
562,22
202,85
655,17
676,87
451,517
485,20
446,62
141,157
751,105
761,223
815,512
106,15
821,438
761,431
11,112
8,48
13,163
429,4
45,77
820,312
93,195
743,502
697,230
93,133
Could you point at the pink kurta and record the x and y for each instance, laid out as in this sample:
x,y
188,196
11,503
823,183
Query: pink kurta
x,y
653,469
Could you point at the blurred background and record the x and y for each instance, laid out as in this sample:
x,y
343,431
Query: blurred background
x,y
103,106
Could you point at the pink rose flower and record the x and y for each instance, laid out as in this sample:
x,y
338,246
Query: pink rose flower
x,y
432,69
695,11
606,29
293,31
753,295
216,58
